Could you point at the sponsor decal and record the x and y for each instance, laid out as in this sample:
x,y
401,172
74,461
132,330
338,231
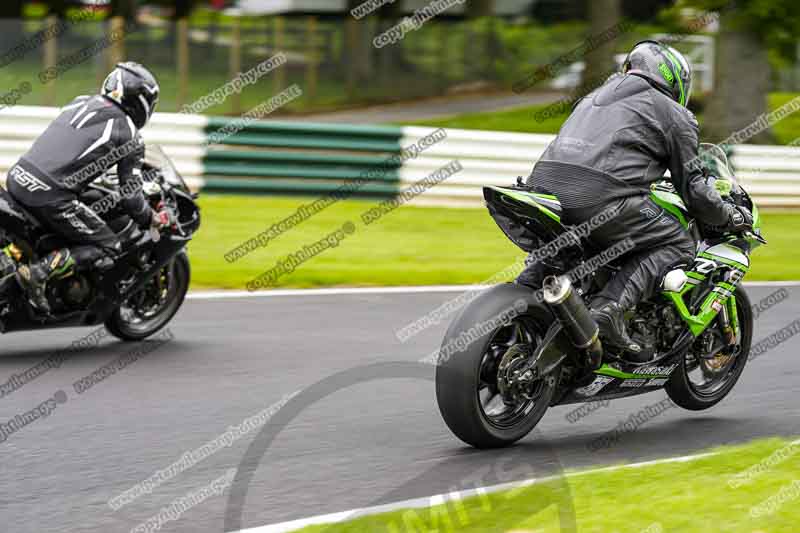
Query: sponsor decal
x,y
704,266
55,260
660,382
595,386
655,370
633,383
666,72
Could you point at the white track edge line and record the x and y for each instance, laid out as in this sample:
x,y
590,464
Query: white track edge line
x,y
213,295
210,295
424,502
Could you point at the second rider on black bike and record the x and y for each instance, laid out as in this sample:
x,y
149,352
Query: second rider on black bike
x,y
68,156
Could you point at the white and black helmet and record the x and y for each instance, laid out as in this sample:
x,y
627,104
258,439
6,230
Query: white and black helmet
x,y
663,66
135,89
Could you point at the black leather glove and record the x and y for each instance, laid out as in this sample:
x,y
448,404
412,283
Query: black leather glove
x,y
739,219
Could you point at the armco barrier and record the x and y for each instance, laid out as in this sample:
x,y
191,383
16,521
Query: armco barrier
x,y
181,136
285,157
279,157
770,173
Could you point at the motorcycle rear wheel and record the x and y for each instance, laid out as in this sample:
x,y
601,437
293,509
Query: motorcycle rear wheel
x,y
467,389
163,295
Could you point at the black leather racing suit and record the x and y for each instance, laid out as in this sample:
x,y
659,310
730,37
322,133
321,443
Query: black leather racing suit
x,y
75,149
618,140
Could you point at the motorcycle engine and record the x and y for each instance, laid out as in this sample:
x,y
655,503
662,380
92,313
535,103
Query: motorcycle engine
x,y
75,290
654,328
642,332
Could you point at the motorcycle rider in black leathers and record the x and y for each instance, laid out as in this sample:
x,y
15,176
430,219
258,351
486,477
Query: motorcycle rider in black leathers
x,y
617,141
90,135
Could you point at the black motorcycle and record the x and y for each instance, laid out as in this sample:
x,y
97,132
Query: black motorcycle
x,y
135,295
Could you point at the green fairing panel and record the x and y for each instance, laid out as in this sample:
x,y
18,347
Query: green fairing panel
x,y
609,371
730,255
672,203
528,219
540,201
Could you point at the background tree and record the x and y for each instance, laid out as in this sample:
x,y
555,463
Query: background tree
x,y
487,47
180,8
359,56
748,31
10,23
479,8
183,8
603,15
125,9
11,9
390,57
643,10
58,7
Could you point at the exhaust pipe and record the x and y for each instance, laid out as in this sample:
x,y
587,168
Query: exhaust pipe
x,y
574,317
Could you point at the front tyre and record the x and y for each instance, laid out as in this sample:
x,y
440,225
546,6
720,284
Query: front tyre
x,y
703,382
150,309
468,391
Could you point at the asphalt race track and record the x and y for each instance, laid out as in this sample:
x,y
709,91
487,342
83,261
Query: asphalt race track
x,y
357,443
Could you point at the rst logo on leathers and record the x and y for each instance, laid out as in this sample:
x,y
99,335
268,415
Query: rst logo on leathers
x,y
27,180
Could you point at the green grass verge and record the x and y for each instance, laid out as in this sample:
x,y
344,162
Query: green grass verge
x,y
788,129
686,497
410,246
524,120
521,120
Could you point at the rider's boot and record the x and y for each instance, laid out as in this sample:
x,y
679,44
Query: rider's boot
x,y
637,279
34,277
610,319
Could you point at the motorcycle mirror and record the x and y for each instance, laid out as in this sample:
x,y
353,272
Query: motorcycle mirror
x,y
759,238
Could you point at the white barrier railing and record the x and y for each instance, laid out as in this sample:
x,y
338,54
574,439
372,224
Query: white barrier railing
x,y
181,135
770,173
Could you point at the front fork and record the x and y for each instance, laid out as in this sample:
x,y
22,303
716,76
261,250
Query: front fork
x,y
720,301
163,252
729,321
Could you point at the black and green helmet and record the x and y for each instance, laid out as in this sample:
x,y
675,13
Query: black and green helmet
x,y
663,66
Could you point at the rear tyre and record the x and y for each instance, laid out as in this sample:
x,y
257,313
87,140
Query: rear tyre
x,y
467,387
717,376
150,309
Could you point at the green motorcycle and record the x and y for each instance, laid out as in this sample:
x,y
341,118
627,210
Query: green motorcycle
x,y
516,350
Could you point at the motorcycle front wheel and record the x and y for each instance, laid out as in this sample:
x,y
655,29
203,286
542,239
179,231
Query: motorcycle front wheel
x,y
150,309
703,380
